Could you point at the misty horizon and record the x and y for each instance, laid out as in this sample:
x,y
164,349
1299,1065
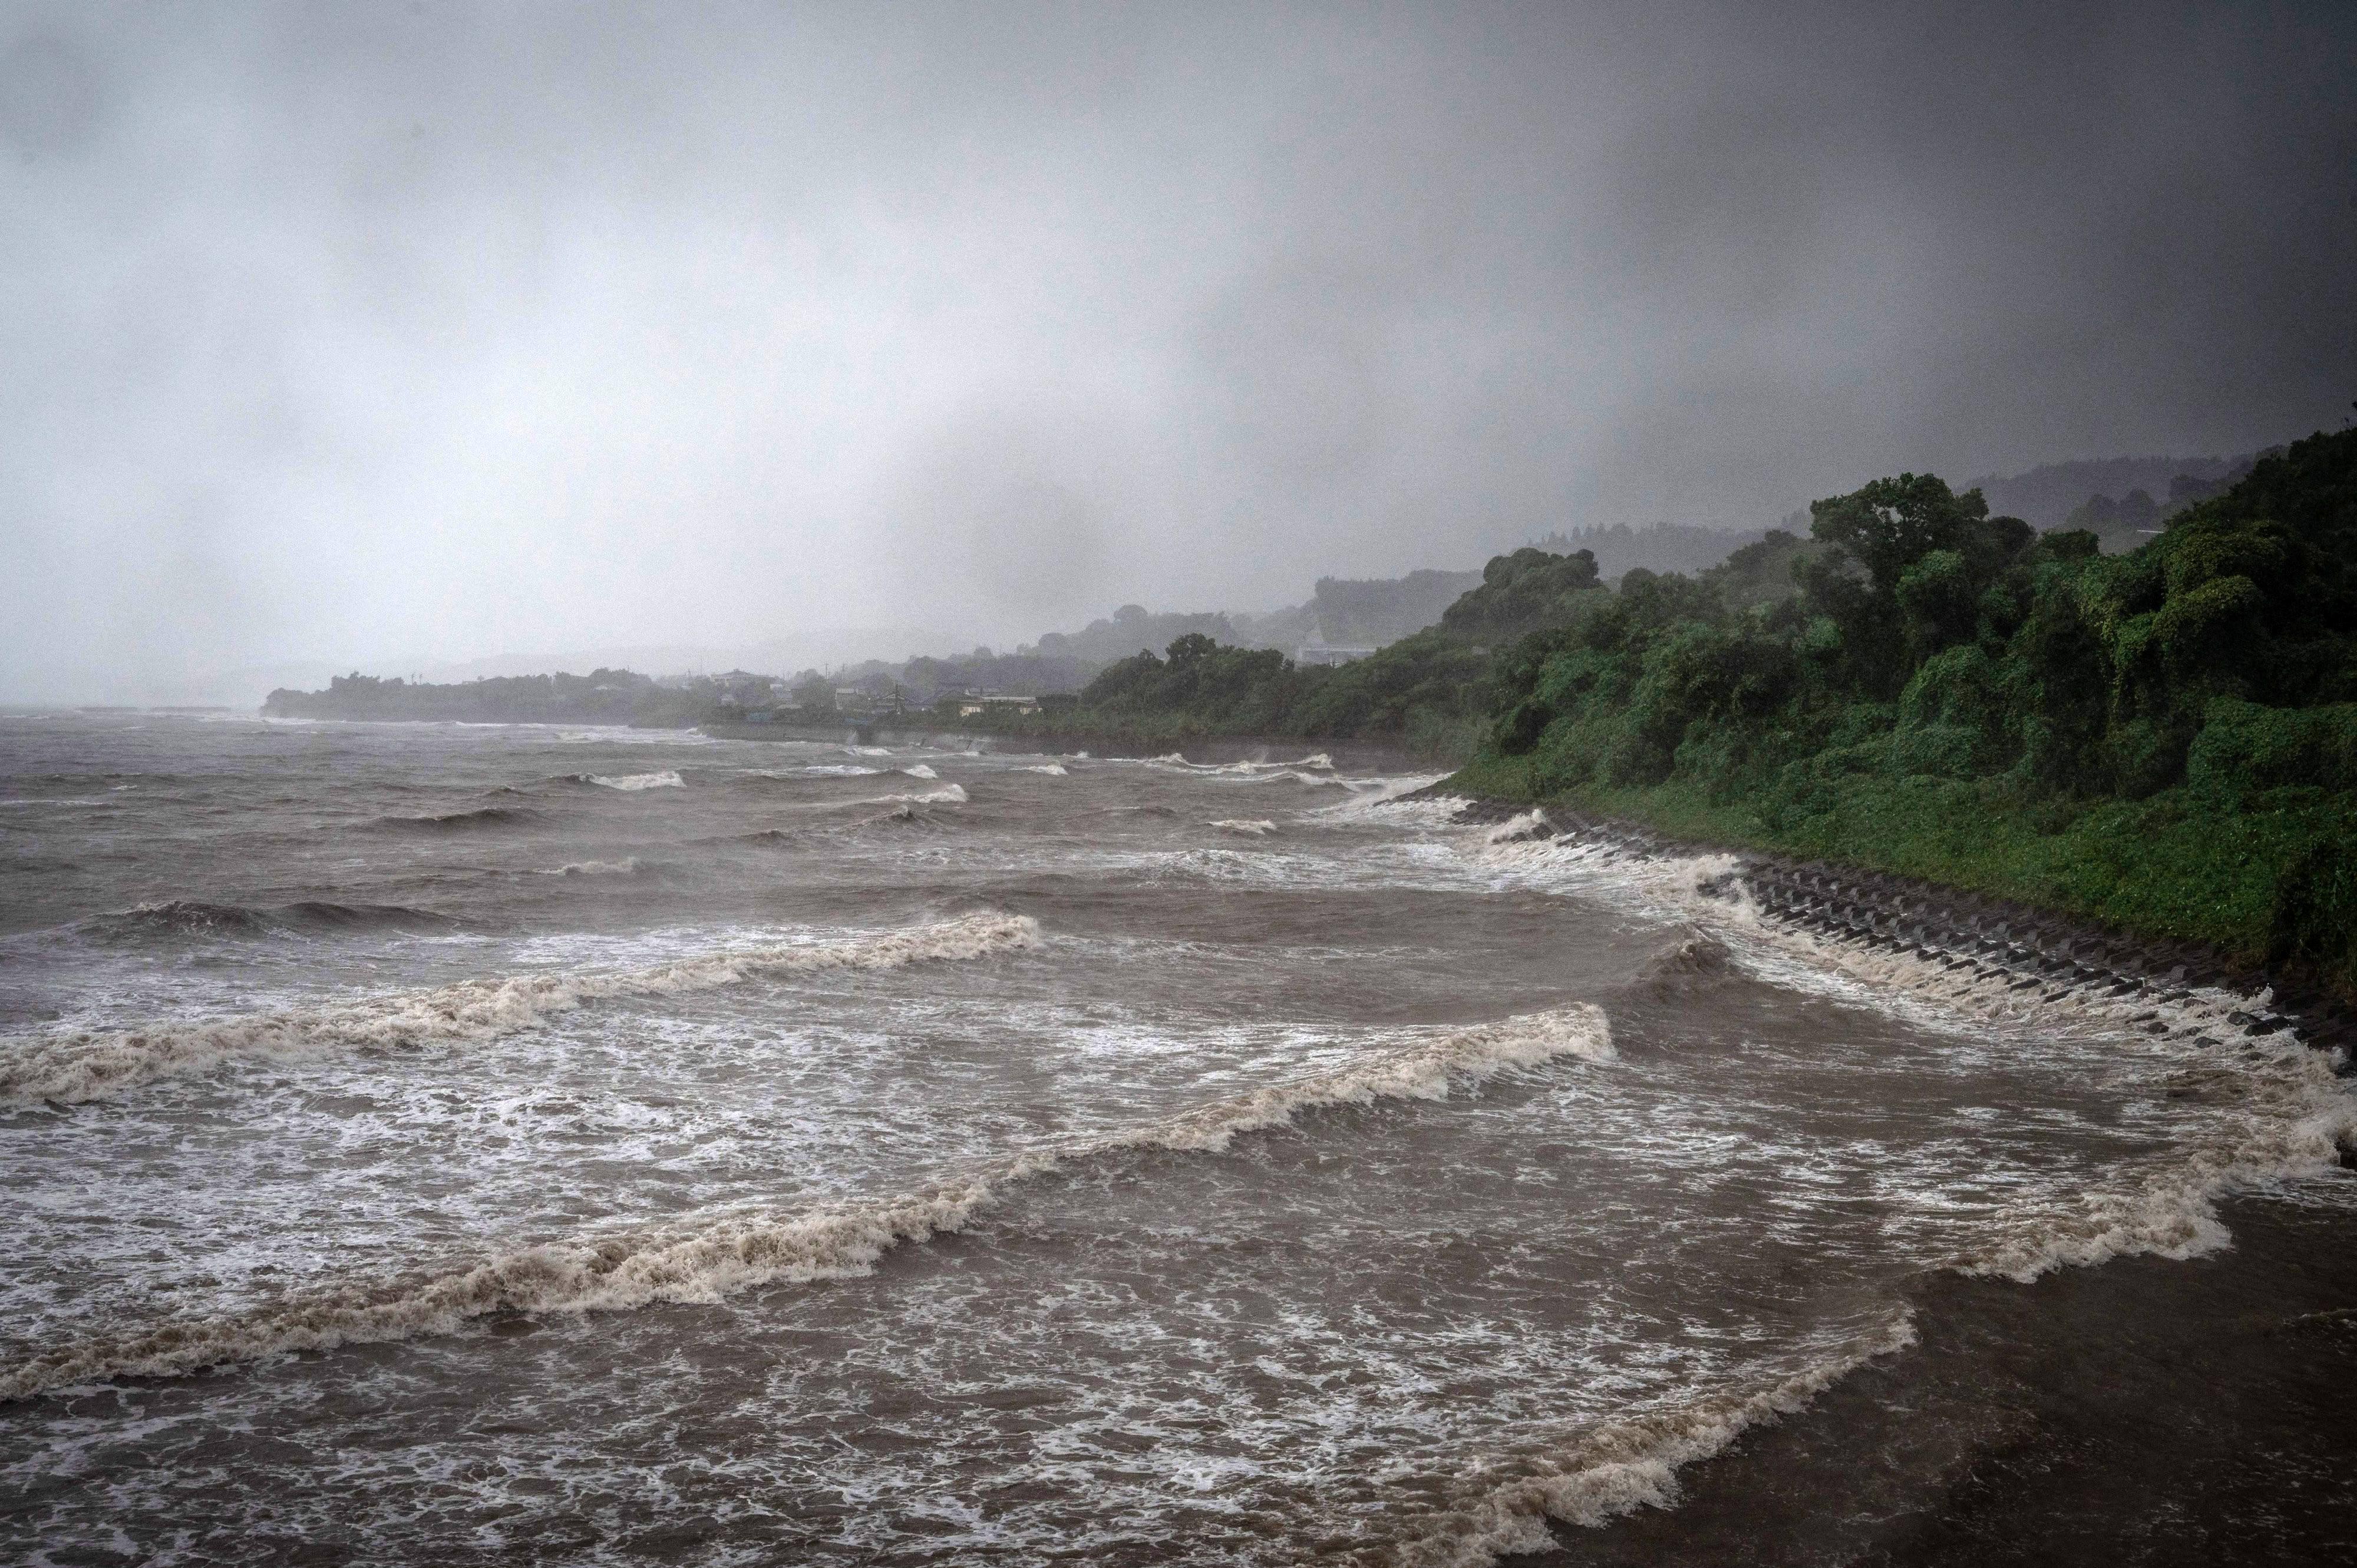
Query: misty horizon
x,y
405,338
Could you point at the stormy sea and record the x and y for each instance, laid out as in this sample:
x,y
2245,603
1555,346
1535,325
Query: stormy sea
x,y
478,1142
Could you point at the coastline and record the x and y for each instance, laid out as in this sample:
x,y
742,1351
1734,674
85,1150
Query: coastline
x,y
2144,1410
1373,755
2029,944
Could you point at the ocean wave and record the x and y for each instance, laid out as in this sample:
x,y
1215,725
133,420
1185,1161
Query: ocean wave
x,y
947,795
1695,960
1373,794
1526,826
702,1263
92,1064
1620,1467
815,770
918,770
627,866
668,779
2278,1110
450,821
1251,828
1317,761
2292,1117
1055,770
198,918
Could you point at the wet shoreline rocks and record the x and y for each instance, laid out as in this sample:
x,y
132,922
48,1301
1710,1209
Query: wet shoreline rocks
x,y
2026,948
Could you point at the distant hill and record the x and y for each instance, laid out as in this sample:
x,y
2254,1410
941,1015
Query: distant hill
x,y
2119,499
1661,547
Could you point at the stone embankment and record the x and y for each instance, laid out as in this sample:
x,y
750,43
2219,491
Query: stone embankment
x,y
2023,946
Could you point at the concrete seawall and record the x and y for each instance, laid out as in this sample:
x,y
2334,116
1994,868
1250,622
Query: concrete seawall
x,y
2023,946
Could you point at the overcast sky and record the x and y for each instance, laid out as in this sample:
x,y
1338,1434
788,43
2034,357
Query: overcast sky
x,y
380,334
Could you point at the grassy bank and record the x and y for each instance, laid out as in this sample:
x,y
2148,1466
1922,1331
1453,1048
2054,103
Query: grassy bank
x,y
2172,866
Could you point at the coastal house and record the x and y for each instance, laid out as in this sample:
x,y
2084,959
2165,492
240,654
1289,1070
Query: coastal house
x,y
1318,650
971,703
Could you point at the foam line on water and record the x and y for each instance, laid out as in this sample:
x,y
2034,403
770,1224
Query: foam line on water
x,y
2280,1111
1620,1467
947,795
704,1264
90,1064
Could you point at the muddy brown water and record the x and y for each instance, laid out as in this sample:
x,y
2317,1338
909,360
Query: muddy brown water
x,y
549,1144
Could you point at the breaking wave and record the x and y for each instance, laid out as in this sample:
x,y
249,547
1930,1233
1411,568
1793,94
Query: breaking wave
x,y
196,918
2292,1117
480,817
918,770
947,795
1055,770
706,1263
668,779
1620,1466
627,866
1250,827
88,1065
2279,1111
1515,829
1695,960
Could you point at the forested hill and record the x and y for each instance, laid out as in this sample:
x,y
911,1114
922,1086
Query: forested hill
x,y
602,696
2166,739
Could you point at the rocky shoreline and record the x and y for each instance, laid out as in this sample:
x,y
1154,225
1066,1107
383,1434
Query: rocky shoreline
x,y
2154,1411
2026,947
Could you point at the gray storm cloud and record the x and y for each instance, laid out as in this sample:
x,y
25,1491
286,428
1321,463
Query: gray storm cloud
x,y
385,335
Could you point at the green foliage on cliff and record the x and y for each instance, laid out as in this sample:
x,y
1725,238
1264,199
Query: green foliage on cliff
x,y
1431,692
2165,738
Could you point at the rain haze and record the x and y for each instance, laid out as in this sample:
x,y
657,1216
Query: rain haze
x,y
383,337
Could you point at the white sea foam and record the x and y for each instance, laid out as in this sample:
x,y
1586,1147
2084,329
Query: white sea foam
x,y
620,736
1058,770
88,1065
2275,1108
625,866
668,779
1516,828
2288,1116
705,1262
1620,1466
947,795
1367,794
918,770
1254,828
